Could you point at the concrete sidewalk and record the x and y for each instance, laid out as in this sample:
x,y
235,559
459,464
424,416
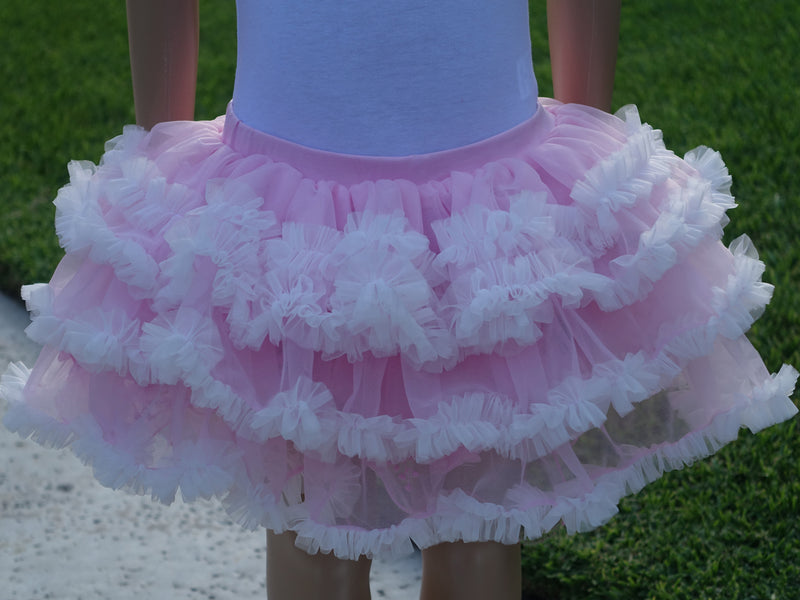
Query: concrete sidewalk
x,y
63,536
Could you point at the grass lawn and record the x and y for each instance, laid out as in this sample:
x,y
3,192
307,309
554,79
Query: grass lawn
x,y
721,73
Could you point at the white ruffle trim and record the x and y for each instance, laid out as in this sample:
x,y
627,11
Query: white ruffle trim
x,y
211,468
203,469
375,287
185,348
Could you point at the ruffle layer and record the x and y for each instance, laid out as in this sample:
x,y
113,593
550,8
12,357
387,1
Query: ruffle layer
x,y
306,414
374,284
209,468
550,330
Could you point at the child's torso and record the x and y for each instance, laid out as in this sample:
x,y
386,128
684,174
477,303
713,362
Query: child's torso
x,y
384,77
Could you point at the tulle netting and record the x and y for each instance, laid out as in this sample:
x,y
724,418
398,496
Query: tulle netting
x,y
476,354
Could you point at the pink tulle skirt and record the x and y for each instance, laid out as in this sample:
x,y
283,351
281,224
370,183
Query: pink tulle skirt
x,y
474,345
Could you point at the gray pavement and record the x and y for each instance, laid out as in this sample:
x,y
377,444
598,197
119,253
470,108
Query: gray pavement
x,y
65,537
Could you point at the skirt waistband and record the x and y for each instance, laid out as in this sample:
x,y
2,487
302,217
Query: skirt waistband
x,y
353,168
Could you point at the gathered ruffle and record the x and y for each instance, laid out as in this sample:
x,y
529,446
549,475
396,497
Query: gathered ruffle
x,y
375,284
212,469
186,349
259,316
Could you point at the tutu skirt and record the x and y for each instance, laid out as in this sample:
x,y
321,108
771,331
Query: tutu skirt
x,y
476,344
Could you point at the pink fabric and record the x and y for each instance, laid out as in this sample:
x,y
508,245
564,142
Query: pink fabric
x,y
348,169
475,344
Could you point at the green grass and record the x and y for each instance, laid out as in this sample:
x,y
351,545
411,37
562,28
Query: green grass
x,y
720,73
66,90
724,74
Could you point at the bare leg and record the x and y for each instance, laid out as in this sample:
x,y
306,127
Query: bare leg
x,y
475,571
292,574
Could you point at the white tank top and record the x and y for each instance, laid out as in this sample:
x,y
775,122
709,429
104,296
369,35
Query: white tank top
x,y
384,77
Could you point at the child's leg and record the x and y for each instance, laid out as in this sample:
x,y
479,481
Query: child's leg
x,y
476,571
292,574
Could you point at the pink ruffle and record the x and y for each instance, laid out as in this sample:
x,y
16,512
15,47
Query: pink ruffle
x,y
475,344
